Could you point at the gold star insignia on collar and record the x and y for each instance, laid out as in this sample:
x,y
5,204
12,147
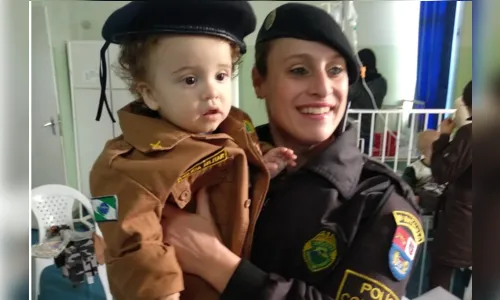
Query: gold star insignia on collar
x,y
156,146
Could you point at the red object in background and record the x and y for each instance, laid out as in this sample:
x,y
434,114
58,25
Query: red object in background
x,y
390,146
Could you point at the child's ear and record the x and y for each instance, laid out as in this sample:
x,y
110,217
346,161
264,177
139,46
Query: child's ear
x,y
148,96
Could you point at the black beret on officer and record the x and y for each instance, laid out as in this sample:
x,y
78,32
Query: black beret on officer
x,y
311,23
231,20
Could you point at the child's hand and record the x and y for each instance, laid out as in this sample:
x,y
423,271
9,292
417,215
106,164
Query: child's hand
x,y
278,159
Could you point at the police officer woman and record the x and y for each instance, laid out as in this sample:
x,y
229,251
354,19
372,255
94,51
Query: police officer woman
x,y
337,226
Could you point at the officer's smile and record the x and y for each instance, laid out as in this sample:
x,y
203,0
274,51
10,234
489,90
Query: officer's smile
x,y
316,111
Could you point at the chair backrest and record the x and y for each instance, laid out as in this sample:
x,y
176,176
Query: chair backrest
x,y
53,204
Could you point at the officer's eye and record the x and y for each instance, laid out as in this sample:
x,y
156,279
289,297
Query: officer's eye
x,y
336,70
298,71
190,80
222,76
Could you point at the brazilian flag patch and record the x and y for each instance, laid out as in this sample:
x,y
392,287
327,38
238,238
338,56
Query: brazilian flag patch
x,y
105,208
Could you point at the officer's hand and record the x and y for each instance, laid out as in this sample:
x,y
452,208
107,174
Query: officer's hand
x,y
197,243
191,234
278,159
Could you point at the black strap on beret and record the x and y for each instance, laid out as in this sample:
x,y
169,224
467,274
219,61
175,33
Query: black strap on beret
x,y
103,77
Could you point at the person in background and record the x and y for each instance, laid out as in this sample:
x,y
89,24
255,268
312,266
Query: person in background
x,y
419,174
451,164
360,99
462,113
339,225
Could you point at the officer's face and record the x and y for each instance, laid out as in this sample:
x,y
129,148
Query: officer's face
x,y
189,81
305,89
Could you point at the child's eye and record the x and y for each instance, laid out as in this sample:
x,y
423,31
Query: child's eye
x,y
221,76
298,71
190,80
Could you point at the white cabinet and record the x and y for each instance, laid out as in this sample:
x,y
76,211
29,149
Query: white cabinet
x,y
83,60
90,135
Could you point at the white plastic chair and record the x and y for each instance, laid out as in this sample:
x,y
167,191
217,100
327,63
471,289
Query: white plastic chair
x,y
52,205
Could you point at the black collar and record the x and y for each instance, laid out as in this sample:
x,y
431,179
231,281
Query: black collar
x,y
340,163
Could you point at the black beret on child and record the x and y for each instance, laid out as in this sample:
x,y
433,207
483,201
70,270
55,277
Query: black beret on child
x,y
230,20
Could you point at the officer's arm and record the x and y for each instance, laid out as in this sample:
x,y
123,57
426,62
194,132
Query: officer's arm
x,y
383,255
364,272
249,283
450,158
139,265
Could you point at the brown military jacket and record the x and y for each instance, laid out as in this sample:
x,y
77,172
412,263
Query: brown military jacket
x,y
154,164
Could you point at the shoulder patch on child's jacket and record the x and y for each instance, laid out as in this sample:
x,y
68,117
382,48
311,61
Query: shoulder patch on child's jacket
x,y
212,160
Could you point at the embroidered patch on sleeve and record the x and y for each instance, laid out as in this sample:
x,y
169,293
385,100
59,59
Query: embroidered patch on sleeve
x,y
409,221
408,235
105,208
357,286
208,162
321,251
249,126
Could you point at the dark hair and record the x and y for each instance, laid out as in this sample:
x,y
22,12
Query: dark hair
x,y
261,54
367,57
467,95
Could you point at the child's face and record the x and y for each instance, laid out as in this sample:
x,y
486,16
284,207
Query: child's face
x,y
190,81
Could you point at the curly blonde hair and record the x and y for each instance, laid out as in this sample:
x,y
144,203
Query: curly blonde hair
x,y
134,59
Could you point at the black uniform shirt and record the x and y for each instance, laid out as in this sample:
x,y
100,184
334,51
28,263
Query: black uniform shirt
x,y
340,227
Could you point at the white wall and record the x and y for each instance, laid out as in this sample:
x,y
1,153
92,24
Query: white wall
x,y
392,27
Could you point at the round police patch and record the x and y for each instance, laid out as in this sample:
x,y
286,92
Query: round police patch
x,y
321,251
399,263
